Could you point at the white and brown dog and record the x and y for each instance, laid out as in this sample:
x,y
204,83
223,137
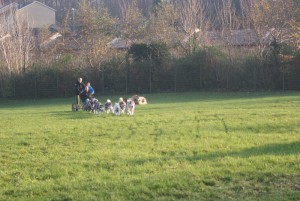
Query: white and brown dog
x,y
120,107
108,107
139,100
130,105
122,104
117,109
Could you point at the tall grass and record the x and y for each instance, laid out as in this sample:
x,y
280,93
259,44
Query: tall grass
x,y
181,146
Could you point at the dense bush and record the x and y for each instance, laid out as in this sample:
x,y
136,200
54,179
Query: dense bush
x,y
150,68
292,69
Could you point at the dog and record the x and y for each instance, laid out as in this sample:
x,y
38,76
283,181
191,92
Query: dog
x,y
97,107
130,105
88,105
117,109
108,107
139,100
122,104
142,100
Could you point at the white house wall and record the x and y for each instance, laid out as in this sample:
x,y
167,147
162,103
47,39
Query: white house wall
x,y
38,16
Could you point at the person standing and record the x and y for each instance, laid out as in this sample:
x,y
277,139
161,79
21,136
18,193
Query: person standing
x,y
79,88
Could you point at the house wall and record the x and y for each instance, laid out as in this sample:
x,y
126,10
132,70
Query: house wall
x,y
38,16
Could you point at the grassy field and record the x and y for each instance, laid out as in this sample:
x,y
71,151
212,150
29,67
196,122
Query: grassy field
x,y
184,146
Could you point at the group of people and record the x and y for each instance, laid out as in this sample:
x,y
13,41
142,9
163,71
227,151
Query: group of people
x,y
85,92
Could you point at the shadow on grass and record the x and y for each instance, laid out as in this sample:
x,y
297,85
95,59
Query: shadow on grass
x,y
186,97
266,128
70,114
159,98
270,149
33,103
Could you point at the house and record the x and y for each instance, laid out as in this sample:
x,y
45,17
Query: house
x,y
50,41
38,14
8,8
119,43
244,37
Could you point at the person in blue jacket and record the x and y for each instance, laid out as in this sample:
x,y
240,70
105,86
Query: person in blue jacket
x,y
91,89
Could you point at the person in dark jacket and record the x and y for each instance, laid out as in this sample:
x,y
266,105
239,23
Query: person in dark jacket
x,y
79,88
85,96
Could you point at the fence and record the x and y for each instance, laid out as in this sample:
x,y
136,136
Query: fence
x,y
188,74
62,84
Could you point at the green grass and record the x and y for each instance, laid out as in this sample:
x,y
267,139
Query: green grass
x,y
184,146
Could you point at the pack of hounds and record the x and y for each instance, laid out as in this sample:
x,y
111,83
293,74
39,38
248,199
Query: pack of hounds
x,y
123,106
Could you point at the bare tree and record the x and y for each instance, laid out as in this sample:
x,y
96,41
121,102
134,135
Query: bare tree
x,y
163,25
189,13
295,35
271,21
194,18
132,23
16,42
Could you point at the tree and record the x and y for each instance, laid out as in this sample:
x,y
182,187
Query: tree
x,y
297,36
271,20
151,58
132,23
193,19
16,43
295,25
154,51
163,26
96,28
